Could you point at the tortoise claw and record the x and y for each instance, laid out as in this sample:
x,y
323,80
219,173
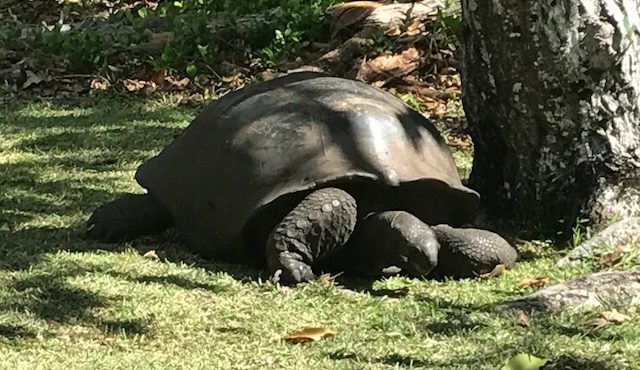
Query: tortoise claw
x,y
293,270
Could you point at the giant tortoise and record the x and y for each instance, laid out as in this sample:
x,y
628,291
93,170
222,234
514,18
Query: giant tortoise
x,y
308,173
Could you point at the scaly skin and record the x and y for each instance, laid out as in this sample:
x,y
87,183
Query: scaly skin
x,y
315,231
319,225
393,238
466,252
128,217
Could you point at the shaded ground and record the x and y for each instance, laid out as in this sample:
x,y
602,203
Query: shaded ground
x,y
200,49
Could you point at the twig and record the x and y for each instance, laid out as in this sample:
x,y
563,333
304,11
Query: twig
x,y
75,75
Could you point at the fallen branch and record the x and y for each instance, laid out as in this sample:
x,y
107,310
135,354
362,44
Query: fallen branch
x,y
373,15
620,287
422,89
372,18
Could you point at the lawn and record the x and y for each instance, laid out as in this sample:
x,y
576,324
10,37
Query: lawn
x,y
69,303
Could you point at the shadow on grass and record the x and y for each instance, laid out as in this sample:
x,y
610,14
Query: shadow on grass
x,y
410,362
364,284
127,326
55,155
15,332
393,359
455,305
454,324
181,282
524,256
21,249
468,362
234,330
577,363
582,328
48,296
59,166
402,361
168,247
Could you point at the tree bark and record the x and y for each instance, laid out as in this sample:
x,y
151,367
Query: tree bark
x,y
551,91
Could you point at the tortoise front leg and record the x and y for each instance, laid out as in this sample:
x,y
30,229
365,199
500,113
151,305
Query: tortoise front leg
x,y
128,217
320,224
467,252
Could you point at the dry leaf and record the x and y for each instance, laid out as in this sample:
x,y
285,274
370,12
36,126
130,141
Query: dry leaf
x,y
327,278
151,255
415,28
135,85
32,79
612,258
165,80
598,322
267,75
497,271
522,319
310,334
459,142
389,66
393,31
235,80
181,83
535,281
608,318
161,37
614,316
435,107
99,84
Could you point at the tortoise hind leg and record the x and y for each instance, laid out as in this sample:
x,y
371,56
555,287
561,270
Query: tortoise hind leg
x,y
128,217
317,227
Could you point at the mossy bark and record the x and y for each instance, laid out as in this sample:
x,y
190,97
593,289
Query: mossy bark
x,y
551,91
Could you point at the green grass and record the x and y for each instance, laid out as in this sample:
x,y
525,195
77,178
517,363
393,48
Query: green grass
x,y
68,303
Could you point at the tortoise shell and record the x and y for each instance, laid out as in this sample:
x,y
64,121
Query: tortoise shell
x,y
250,156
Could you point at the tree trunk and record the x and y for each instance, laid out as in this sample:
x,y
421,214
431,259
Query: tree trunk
x,y
551,91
